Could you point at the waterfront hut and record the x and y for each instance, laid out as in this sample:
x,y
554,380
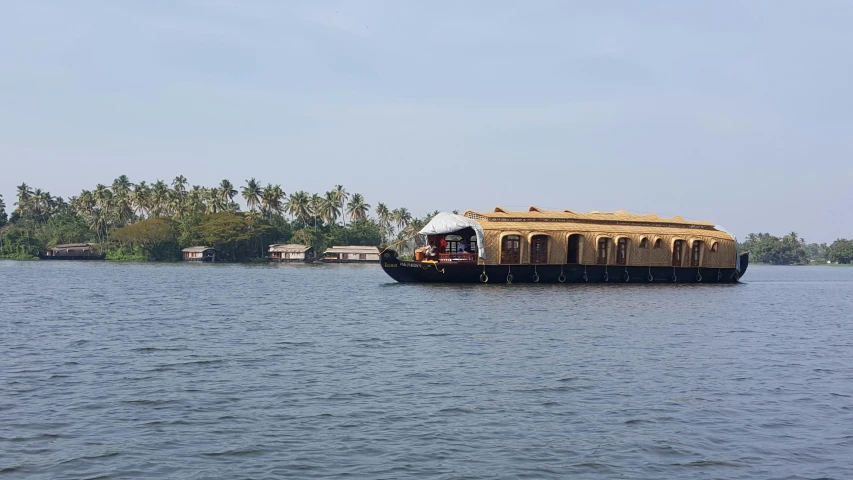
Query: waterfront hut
x,y
351,254
202,254
291,253
71,251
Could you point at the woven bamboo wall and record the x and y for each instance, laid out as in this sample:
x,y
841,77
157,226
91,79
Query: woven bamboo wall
x,y
558,234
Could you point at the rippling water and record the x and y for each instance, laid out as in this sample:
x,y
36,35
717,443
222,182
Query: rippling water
x,y
225,371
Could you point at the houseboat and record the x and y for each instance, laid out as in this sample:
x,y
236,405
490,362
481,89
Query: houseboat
x,y
291,253
547,246
351,254
202,254
71,251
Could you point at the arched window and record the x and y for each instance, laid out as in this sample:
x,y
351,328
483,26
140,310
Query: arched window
x,y
677,247
622,251
510,249
644,243
715,247
452,243
539,249
696,253
657,243
574,254
472,244
603,250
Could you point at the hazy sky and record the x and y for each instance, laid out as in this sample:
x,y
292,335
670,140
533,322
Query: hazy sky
x,y
740,113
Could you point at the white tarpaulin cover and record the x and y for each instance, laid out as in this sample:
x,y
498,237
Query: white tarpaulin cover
x,y
445,223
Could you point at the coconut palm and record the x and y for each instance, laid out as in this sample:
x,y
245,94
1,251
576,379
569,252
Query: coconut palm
x,y
298,205
384,216
123,201
341,195
159,198
401,217
140,198
358,208
227,192
252,193
179,184
271,199
315,204
121,185
24,194
99,223
330,210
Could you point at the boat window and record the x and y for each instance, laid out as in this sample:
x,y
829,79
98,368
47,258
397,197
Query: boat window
x,y
696,254
472,244
644,243
622,251
574,249
362,256
451,243
657,243
676,253
603,247
511,249
715,247
539,249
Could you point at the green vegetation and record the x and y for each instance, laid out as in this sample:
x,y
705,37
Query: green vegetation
x,y
793,250
137,221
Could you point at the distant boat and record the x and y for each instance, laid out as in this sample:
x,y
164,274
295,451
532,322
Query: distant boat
x,y
546,246
351,254
71,251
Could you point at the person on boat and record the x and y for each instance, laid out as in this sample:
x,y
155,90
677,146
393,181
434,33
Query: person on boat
x,y
461,248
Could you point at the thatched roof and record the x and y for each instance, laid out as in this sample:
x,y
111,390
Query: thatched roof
x,y
353,249
289,248
535,213
605,222
73,245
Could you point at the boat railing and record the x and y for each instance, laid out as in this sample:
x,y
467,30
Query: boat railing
x,y
457,257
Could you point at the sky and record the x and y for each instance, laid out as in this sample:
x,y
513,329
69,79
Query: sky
x,y
739,113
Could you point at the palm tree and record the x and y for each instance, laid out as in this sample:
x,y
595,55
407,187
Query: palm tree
x,y
358,208
179,184
341,195
271,200
123,202
226,190
252,193
315,203
140,198
2,211
330,211
298,205
384,216
159,198
402,217
98,223
24,194
793,236
103,198
121,185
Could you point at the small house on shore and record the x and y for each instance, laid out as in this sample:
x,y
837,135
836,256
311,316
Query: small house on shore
x,y
202,254
291,253
351,254
71,251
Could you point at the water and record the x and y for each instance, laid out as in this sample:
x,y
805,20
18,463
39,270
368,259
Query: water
x,y
296,371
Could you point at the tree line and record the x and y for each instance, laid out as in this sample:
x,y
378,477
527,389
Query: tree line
x,y
155,221
791,249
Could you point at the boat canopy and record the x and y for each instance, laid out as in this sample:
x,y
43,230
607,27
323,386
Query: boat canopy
x,y
444,223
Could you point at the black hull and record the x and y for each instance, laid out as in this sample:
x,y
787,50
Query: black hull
x,y
408,271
